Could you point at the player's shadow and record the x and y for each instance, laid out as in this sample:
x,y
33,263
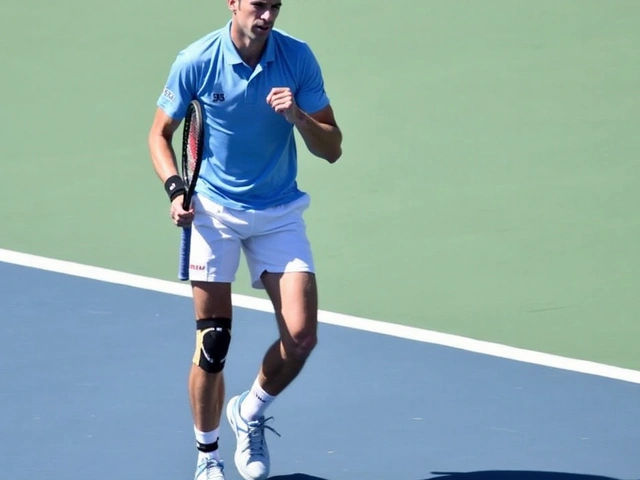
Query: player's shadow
x,y
483,475
296,476
514,475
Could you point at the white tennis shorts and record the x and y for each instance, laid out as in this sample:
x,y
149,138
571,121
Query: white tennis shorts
x,y
272,240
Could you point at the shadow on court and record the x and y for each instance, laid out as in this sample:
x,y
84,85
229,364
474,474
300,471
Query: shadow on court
x,y
483,475
513,475
296,476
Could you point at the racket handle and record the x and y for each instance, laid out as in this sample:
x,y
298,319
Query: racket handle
x,y
185,244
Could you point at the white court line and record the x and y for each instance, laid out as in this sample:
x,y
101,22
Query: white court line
x,y
402,331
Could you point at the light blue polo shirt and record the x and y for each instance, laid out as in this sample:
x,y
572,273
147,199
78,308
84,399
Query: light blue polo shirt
x,y
250,159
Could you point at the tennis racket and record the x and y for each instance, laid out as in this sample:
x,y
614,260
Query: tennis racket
x,y
192,146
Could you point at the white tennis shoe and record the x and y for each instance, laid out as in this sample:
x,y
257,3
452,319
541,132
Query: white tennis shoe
x,y
209,469
252,454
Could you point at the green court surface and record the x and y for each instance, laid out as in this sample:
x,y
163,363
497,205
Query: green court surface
x,y
489,183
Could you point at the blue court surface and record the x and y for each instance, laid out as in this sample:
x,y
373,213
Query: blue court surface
x,y
93,379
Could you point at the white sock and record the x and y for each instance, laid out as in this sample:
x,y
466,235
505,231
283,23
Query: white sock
x,y
255,403
207,438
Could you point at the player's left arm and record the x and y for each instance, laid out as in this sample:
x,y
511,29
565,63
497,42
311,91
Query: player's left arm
x,y
309,109
319,130
321,133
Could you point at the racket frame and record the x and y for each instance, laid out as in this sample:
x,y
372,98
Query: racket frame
x,y
190,182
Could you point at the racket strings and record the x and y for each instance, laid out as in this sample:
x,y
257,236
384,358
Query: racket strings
x,y
193,146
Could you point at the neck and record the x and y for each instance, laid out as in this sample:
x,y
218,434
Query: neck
x,y
249,49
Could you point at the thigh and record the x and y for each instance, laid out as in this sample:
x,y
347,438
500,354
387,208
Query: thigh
x,y
215,244
212,300
295,299
279,243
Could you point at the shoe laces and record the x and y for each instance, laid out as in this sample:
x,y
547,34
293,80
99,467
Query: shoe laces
x,y
212,469
255,431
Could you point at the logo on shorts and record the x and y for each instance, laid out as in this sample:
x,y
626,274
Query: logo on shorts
x,y
199,268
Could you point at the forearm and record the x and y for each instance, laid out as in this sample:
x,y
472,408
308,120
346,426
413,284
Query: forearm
x,y
163,156
322,139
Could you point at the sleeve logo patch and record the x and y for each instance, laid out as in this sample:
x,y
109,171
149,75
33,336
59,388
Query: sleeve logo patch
x,y
169,94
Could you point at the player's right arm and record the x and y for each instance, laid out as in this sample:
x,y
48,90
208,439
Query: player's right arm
x,y
161,149
172,106
163,158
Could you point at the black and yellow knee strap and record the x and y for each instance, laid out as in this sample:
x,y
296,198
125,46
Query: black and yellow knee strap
x,y
213,337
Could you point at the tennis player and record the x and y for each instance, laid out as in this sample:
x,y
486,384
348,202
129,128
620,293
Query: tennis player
x,y
256,84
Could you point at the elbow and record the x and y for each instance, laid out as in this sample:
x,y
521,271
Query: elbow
x,y
333,157
152,139
156,139
334,150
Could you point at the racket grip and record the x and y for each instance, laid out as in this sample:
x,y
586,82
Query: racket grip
x,y
185,244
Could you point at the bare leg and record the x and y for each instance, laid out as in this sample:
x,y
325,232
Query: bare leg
x,y
206,390
295,299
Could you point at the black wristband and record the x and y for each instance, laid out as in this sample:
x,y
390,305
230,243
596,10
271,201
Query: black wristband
x,y
174,186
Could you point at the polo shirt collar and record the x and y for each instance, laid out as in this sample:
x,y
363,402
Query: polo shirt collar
x,y
231,55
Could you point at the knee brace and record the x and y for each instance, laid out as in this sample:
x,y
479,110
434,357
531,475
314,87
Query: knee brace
x,y
213,337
